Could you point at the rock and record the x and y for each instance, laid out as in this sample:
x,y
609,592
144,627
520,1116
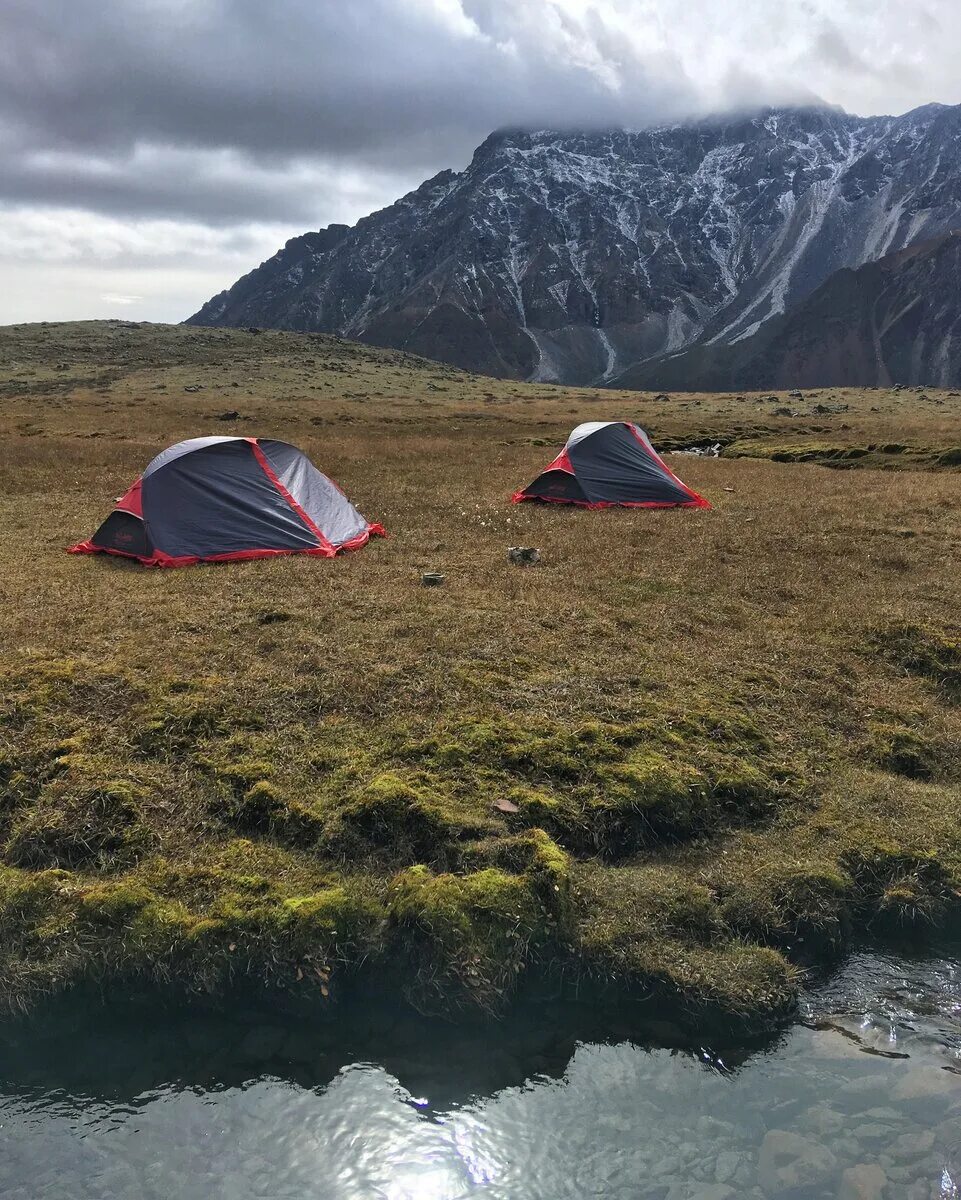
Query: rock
x,y
432,579
872,1133
783,412
228,416
913,1145
863,1182
726,1165
927,1083
821,1119
662,396
523,556
712,1191
787,1160
194,387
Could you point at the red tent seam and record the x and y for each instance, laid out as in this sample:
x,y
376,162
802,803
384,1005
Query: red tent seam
x,y
272,476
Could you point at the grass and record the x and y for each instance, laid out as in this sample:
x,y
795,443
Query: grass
x,y
688,752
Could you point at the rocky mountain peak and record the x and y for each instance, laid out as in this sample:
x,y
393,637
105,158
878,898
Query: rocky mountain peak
x,y
576,255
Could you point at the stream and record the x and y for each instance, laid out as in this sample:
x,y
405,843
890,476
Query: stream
x,y
859,1100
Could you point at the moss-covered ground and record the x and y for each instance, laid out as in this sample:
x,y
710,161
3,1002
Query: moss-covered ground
x,y
689,751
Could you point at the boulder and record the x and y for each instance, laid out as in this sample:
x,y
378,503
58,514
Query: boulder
x,y
787,1161
866,1181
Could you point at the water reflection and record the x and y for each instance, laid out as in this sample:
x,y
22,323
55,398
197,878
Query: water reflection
x,y
129,1103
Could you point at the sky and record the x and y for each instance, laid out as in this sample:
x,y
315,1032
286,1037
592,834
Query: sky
x,y
152,151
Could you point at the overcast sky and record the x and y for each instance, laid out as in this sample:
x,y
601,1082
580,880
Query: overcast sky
x,y
151,151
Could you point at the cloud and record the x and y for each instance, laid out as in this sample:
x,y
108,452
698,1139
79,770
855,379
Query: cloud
x,y
234,116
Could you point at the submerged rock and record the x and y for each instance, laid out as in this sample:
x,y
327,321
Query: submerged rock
x,y
788,1160
866,1181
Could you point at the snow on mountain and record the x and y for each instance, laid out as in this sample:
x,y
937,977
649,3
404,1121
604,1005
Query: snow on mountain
x,y
574,256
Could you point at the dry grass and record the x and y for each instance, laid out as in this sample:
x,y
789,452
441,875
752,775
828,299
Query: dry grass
x,y
742,724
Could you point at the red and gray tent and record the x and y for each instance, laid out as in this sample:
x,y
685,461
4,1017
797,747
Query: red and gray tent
x,y
219,499
607,464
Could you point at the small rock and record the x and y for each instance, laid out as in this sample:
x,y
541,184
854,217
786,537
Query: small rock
x,y
662,396
523,556
863,1182
783,412
194,387
787,1160
872,1132
273,616
913,1145
927,1084
228,416
726,1166
432,579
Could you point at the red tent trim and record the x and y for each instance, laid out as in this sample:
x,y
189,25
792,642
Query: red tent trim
x,y
272,476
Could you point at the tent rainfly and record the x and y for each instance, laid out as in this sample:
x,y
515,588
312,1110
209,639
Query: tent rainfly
x,y
610,464
221,499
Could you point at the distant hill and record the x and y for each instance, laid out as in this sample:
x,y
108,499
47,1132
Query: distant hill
x,y
576,256
897,320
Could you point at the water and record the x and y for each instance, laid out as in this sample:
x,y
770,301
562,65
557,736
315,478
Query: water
x,y
861,1100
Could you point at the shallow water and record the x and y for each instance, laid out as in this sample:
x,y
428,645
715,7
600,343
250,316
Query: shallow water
x,y
860,1100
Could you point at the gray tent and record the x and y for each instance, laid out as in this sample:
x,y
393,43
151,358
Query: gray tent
x,y
217,499
606,464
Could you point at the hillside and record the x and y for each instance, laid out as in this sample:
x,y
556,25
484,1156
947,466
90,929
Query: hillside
x,y
688,752
897,320
573,257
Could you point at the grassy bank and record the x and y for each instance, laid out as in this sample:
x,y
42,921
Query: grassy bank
x,y
686,752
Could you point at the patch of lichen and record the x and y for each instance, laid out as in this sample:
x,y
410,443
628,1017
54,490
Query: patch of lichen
x,y
465,939
76,814
402,819
392,846
924,650
655,928
198,930
883,456
615,788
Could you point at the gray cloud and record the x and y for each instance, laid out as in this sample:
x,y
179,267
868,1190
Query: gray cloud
x,y
239,113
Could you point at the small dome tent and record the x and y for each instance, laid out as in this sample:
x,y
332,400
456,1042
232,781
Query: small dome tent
x,y
220,499
608,464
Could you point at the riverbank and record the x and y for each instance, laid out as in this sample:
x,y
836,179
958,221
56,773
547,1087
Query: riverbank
x,y
688,752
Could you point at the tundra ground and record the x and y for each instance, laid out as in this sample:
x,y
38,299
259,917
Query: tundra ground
x,y
728,740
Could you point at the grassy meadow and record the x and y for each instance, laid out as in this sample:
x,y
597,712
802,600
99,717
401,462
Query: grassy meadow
x,y
690,751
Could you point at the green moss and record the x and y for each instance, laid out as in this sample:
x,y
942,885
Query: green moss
x,y
77,823
466,938
903,750
924,650
646,800
804,906
264,809
401,819
179,721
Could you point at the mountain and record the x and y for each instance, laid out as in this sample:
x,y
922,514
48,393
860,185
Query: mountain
x,y
575,256
896,320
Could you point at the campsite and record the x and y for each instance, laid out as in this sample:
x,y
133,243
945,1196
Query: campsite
x,y
692,750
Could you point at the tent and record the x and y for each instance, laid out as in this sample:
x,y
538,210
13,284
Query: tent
x,y
219,499
607,464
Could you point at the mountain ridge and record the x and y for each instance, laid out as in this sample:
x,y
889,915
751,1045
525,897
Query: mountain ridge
x,y
896,319
575,256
